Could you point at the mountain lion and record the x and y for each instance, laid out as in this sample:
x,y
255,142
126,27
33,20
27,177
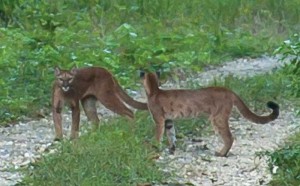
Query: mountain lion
x,y
88,85
216,102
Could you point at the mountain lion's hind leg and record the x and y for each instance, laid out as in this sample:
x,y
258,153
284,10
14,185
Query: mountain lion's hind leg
x,y
222,127
90,109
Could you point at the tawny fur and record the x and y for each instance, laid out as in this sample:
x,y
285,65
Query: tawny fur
x,y
88,85
215,102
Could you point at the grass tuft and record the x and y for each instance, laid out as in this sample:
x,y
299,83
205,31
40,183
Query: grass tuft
x,y
114,155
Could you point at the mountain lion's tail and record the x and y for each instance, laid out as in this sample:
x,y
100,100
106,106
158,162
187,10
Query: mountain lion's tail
x,y
129,100
248,114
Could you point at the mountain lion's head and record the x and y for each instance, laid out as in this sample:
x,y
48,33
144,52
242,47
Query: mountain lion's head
x,y
65,78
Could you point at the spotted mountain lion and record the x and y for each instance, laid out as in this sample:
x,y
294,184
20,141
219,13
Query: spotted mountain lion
x,y
88,85
216,102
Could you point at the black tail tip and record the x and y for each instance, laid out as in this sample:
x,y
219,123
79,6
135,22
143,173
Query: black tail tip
x,y
273,105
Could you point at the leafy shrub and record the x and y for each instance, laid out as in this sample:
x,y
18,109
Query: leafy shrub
x,y
284,163
290,50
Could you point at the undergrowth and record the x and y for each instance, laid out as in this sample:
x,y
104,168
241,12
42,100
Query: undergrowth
x,y
125,36
284,163
119,153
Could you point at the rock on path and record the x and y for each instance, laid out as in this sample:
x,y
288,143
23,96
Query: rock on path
x,y
23,143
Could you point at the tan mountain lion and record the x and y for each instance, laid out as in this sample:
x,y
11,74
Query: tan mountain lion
x,y
216,102
88,85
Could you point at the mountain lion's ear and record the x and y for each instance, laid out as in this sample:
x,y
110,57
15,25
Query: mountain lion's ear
x,y
73,70
56,71
142,74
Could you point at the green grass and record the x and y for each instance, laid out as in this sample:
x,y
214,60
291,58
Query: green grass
x,y
287,163
117,154
125,36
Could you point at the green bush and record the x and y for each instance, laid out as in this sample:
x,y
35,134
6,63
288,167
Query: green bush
x,y
290,50
284,163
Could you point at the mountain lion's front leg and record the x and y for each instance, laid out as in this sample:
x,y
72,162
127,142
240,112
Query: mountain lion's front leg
x,y
57,105
159,129
75,119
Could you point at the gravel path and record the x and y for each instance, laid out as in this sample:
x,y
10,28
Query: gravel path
x,y
23,143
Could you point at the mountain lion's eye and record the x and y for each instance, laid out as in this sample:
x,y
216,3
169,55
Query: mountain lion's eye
x,y
70,80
